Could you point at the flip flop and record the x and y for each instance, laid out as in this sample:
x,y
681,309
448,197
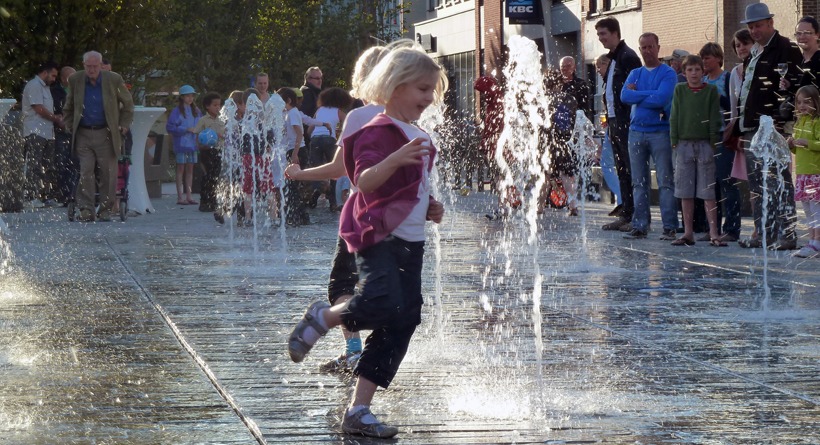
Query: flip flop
x,y
716,242
683,242
192,202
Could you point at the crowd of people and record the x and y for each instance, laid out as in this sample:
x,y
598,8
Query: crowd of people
x,y
693,120
696,122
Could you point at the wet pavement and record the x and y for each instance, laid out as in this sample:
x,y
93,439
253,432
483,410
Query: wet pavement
x,y
170,328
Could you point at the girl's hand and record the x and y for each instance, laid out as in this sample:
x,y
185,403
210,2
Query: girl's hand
x,y
801,142
292,171
784,84
190,130
435,211
790,141
411,153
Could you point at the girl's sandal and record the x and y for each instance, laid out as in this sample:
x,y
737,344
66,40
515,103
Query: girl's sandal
x,y
717,242
298,348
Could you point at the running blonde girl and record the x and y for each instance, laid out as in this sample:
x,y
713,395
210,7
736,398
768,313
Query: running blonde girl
x,y
389,160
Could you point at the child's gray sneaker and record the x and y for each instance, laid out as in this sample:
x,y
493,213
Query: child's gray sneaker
x,y
354,425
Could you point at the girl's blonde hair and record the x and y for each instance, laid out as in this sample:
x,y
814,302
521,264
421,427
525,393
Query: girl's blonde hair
x,y
401,66
369,58
812,93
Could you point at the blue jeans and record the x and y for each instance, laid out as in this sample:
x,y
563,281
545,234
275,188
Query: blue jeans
x,y
608,168
641,147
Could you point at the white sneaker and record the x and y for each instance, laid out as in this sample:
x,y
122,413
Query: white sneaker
x,y
807,251
35,204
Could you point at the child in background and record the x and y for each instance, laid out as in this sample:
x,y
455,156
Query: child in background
x,y
389,161
231,159
694,127
181,124
257,176
210,155
296,212
805,144
333,105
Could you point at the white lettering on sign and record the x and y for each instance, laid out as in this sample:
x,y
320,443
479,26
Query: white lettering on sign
x,y
521,9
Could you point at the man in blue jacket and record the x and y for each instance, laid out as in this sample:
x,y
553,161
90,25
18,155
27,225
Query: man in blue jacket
x,y
649,91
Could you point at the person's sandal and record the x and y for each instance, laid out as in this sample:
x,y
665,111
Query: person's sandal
x,y
298,348
683,242
716,242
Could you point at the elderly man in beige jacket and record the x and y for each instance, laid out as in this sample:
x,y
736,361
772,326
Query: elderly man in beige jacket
x,y
98,110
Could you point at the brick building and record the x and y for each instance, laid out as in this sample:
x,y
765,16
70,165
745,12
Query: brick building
x,y
468,36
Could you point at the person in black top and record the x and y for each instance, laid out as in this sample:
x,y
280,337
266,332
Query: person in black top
x,y
64,163
623,59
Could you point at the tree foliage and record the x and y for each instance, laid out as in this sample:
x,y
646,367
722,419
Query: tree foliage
x,y
214,45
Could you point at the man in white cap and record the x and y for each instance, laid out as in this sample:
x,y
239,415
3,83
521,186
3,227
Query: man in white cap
x,y
759,96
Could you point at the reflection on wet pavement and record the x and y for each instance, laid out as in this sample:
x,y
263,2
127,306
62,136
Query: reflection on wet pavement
x,y
642,342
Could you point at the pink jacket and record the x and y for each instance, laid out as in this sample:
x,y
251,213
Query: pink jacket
x,y
368,218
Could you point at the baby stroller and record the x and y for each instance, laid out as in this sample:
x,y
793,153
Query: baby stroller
x,y
123,171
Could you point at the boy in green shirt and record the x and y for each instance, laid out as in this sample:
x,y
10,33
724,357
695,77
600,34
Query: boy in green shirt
x,y
694,127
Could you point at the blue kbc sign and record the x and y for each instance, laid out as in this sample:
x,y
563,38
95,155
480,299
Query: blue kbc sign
x,y
524,12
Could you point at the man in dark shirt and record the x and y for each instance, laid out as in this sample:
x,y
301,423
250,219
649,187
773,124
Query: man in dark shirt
x,y
62,140
577,87
623,59
760,96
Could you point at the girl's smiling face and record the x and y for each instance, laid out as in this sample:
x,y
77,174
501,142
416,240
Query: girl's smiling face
x,y
805,105
409,100
188,99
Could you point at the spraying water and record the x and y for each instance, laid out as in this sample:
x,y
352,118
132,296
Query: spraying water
x,y
522,164
584,148
768,145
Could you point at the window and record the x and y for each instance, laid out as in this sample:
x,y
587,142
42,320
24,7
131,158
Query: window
x,y
609,5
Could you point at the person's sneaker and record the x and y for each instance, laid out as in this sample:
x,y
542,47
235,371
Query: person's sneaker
x,y
626,227
218,217
616,211
86,216
104,216
354,424
342,363
35,204
495,215
668,235
635,234
616,225
807,251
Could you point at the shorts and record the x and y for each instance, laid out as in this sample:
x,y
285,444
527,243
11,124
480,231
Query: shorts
x,y
812,209
342,184
187,157
256,171
695,170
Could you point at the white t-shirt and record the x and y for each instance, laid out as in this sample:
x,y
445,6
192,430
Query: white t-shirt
x,y
412,228
294,117
610,95
357,118
37,92
329,115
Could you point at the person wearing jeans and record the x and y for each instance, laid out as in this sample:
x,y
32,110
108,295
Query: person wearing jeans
x,y
649,90
642,146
